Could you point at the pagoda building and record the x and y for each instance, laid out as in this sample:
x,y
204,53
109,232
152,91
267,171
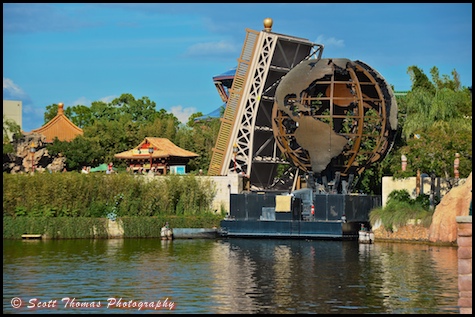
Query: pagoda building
x,y
158,154
60,126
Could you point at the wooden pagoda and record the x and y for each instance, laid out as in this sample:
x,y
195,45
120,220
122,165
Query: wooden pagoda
x,y
158,154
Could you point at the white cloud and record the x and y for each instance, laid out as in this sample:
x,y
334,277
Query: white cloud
x,y
213,49
81,101
108,99
87,102
12,90
182,113
329,42
32,116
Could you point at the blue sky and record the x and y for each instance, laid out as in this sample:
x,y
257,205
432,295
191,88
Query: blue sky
x,y
77,53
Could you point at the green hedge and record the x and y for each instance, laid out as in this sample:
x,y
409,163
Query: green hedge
x,y
98,195
73,205
54,228
89,228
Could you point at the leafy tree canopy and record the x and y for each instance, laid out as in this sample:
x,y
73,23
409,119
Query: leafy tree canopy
x,y
436,123
120,125
10,129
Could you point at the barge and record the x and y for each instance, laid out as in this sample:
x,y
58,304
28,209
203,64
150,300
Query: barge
x,y
302,214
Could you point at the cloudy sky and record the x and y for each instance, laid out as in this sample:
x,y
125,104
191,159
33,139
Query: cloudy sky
x,y
77,53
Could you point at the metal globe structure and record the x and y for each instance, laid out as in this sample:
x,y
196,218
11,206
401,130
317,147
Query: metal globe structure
x,y
333,117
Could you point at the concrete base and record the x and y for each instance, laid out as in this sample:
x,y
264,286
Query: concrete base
x,y
31,236
115,229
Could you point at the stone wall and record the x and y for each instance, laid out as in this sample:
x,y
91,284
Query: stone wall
x,y
413,233
464,252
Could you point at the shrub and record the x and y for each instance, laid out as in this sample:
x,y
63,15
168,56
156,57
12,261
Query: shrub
x,y
400,208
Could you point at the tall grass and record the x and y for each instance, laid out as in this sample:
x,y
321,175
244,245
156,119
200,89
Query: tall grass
x,y
96,195
400,208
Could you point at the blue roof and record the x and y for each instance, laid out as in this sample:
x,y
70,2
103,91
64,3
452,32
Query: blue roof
x,y
226,79
212,115
226,75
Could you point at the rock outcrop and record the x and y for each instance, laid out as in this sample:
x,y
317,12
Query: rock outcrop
x,y
443,228
455,203
22,161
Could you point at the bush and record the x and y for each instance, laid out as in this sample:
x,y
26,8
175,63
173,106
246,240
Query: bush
x,y
400,196
400,208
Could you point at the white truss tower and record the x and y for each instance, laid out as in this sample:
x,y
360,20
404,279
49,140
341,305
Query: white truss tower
x,y
245,143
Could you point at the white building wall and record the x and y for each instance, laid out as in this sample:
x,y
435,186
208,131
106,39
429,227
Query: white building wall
x,y
12,110
389,184
225,185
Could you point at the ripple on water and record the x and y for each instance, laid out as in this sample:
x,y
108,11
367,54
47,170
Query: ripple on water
x,y
237,276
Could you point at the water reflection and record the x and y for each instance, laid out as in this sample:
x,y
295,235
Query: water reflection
x,y
416,276
235,275
339,276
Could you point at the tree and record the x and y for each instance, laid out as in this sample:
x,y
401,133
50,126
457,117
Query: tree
x,y
200,138
420,80
79,152
160,128
434,151
445,82
141,111
435,124
191,120
80,115
51,112
113,137
428,103
10,129
102,111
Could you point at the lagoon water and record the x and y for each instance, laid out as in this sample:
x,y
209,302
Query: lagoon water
x,y
228,276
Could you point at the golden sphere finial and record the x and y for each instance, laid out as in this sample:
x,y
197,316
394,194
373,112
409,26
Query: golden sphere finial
x,y
268,24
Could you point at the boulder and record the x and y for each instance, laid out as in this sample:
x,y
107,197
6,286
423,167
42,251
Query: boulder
x,y
57,164
23,160
455,203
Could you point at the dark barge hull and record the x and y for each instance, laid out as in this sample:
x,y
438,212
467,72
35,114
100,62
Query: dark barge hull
x,y
336,216
330,230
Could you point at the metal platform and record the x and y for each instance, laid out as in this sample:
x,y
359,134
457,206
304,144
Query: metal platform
x,y
303,214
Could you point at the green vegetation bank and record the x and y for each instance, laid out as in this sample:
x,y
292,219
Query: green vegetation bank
x,y
74,205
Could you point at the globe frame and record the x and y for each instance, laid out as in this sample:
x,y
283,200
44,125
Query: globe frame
x,y
353,99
